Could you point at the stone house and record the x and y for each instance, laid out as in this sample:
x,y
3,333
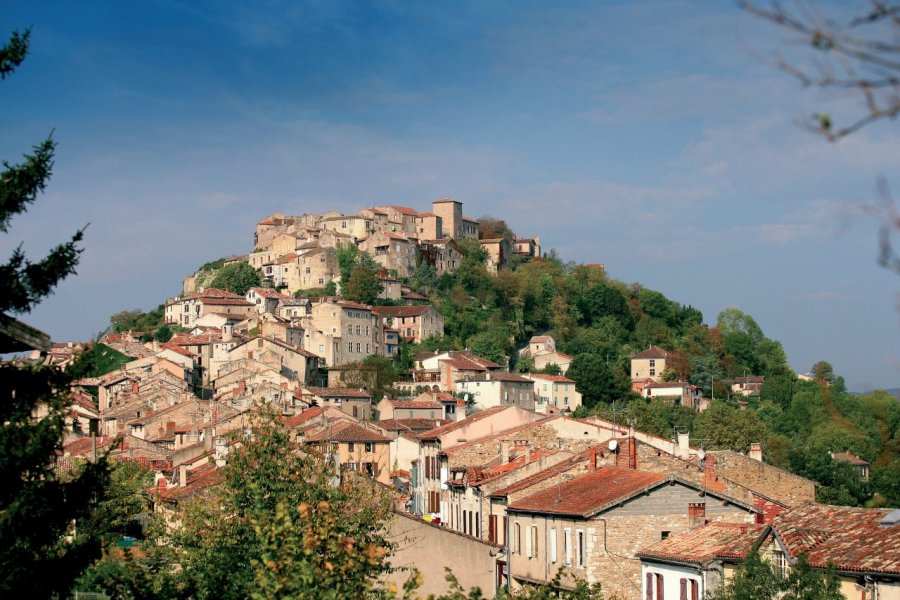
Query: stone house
x,y
424,406
593,526
651,363
401,220
543,353
391,341
391,289
677,392
431,226
858,463
692,564
554,393
293,362
342,332
355,447
527,248
415,323
293,308
185,311
453,223
395,253
356,226
499,251
442,254
862,545
355,402
498,388
312,269
430,477
264,300
445,368
747,386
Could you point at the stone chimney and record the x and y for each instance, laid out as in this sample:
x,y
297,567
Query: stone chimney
x,y
756,451
684,448
227,332
504,451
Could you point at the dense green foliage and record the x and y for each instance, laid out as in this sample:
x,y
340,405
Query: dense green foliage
x,y
359,275
755,579
39,500
237,278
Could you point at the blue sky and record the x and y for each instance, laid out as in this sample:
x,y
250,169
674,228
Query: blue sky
x,y
650,136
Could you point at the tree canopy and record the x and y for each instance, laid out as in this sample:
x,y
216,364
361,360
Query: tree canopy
x,y
236,277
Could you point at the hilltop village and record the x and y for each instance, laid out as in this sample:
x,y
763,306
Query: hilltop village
x,y
490,472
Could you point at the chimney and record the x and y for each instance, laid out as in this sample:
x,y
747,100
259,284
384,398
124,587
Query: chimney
x,y
756,451
683,450
527,454
504,451
227,332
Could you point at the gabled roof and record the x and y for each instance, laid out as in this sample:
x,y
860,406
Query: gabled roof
x,y
849,458
706,543
590,493
267,293
347,432
414,404
411,425
540,339
652,352
553,378
479,416
540,476
400,311
497,376
850,538
336,392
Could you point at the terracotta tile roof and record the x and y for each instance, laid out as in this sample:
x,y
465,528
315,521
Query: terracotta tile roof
x,y
267,293
540,476
590,493
422,404
410,295
198,480
400,311
347,432
411,425
175,348
540,339
308,414
498,376
553,378
706,543
404,210
467,361
444,429
652,352
356,305
750,379
286,259
225,301
518,462
500,434
849,458
850,538
336,392
84,446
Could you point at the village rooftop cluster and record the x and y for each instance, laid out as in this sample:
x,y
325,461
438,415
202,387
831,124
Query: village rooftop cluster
x,y
490,473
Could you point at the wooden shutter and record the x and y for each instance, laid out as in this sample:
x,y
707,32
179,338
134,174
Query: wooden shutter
x,y
659,587
492,529
695,589
683,583
649,587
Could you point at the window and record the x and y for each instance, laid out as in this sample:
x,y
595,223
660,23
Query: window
x,y
659,587
357,347
369,446
492,529
351,447
664,535
517,539
534,541
349,346
552,548
690,589
581,549
779,562
567,546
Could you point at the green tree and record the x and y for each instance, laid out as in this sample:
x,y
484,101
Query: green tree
x,y
346,258
823,371
294,526
237,278
596,380
42,554
726,427
363,285
754,579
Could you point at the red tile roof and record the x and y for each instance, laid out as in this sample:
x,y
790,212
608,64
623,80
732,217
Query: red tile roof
x,y
303,417
849,458
400,311
336,392
267,293
439,431
652,352
850,538
85,445
421,404
404,210
356,305
589,494
411,425
706,543
347,432
553,378
531,480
